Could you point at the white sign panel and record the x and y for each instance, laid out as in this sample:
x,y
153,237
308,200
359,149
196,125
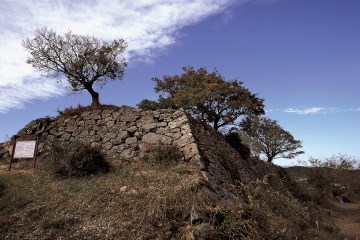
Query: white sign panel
x,y
25,149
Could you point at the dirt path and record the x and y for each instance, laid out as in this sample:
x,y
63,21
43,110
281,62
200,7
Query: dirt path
x,y
349,220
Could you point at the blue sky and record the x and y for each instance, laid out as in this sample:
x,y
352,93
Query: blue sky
x,y
301,56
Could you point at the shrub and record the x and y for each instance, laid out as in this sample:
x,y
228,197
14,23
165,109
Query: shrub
x,y
164,154
336,174
2,188
233,138
77,160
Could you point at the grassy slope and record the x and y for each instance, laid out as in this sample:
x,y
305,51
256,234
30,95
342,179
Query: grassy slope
x,y
131,201
144,201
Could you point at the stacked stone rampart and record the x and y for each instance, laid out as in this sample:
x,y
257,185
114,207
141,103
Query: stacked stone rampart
x,y
120,133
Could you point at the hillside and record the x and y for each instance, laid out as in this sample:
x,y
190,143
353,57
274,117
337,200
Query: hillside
x,y
210,194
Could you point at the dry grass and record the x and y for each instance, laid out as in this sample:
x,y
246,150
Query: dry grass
x,y
73,111
145,200
133,201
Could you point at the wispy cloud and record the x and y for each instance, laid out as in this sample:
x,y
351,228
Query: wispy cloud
x,y
314,110
305,111
147,26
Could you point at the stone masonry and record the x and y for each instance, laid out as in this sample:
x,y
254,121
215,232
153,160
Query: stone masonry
x,y
127,133
123,133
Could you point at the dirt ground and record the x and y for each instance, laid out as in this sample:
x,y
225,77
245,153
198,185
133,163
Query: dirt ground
x,y
348,219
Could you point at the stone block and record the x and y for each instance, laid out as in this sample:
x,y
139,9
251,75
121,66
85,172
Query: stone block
x,y
154,138
161,131
111,135
96,138
107,146
190,150
132,129
117,142
95,144
161,124
149,126
123,135
127,153
110,124
184,140
131,140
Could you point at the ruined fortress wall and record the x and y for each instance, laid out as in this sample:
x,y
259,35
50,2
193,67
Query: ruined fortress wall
x,y
128,133
121,133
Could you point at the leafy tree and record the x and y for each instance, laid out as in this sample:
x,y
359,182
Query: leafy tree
x,y
274,141
207,96
84,60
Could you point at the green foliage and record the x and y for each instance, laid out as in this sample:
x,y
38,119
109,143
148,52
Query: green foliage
x,y
233,138
84,60
273,140
163,154
207,96
77,160
162,103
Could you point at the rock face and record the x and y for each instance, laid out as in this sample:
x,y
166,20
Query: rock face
x,y
122,133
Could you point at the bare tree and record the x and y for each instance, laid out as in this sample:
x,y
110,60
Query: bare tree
x,y
84,60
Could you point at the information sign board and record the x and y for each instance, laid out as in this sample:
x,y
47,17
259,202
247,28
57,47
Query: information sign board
x,y
25,149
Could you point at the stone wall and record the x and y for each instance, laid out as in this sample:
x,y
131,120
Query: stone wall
x,y
128,133
120,133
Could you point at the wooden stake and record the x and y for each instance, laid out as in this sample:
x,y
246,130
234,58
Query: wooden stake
x,y
13,151
36,149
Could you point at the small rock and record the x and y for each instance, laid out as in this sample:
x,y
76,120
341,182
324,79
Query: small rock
x,y
133,192
123,189
203,232
197,215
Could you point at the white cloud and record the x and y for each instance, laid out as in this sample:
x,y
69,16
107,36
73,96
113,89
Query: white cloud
x,y
304,111
318,110
148,26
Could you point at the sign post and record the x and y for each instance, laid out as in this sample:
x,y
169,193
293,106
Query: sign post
x,y
24,149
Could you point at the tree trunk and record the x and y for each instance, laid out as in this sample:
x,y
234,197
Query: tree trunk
x,y
216,124
95,97
270,159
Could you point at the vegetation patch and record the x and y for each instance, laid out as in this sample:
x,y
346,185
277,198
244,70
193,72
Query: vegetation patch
x,y
77,160
336,176
162,154
79,109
